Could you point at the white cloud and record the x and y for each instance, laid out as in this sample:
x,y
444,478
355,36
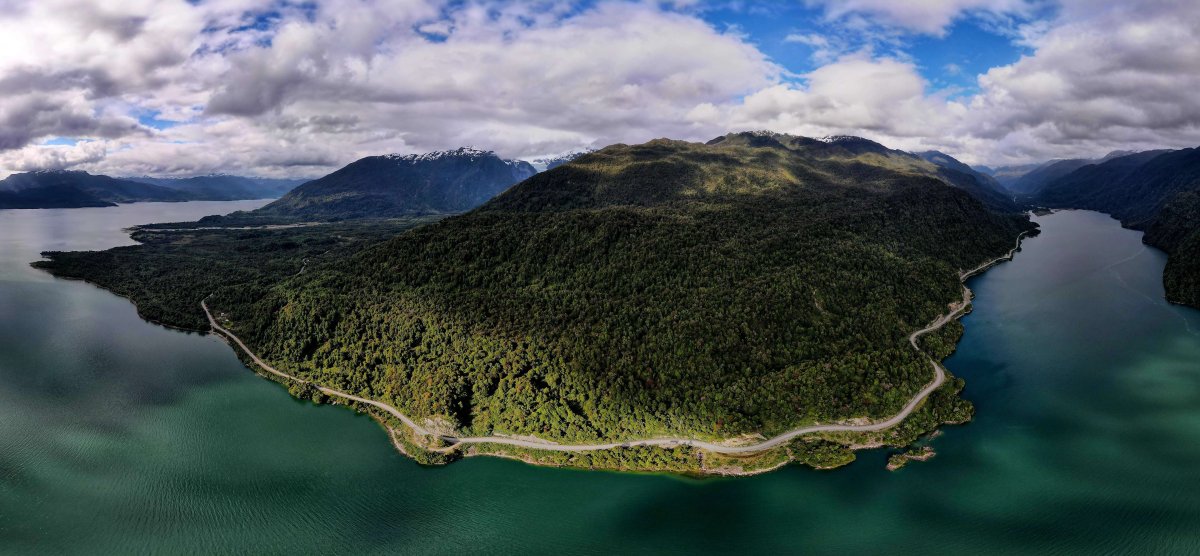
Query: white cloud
x,y
355,77
313,87
922,16
885,99
1106,76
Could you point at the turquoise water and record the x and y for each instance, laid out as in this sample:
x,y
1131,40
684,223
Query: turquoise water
x,y
118,436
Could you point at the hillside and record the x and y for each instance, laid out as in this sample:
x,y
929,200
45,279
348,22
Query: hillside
x,y
1155,191
716,290
864,154
73,189
946,161
989,190
395,185
1032,182
224,187
1007,175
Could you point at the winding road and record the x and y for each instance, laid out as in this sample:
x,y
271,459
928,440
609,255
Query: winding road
x,y
939,377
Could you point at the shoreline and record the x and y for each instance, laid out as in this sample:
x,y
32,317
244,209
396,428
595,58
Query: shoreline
x,y
456,444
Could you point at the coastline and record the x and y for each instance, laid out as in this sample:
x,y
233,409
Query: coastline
x,y
426,439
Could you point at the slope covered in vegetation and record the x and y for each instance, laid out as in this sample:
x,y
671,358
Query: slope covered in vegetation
x,y
741,287
1154,191
395,185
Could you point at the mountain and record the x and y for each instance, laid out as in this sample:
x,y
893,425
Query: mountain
x,y
552,162
871,154
397,185
1155,191
1006,175
1102,180
950,163
220,187
946,161
1029,180
716,290
1033,181
72,189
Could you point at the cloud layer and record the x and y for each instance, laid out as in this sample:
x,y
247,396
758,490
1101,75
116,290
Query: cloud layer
x,y
298,89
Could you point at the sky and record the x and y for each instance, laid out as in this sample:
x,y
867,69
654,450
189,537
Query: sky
x,y
298,88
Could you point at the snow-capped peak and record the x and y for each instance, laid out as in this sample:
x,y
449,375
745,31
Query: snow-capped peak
x,y
839,138
462,152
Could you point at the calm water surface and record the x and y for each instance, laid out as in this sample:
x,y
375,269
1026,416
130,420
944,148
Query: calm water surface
x,y
118,436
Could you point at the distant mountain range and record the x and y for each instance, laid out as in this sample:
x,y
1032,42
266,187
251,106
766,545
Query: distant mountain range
x,y
1154,191
441,182
223,187
399,185
1029,179
72,189
75,189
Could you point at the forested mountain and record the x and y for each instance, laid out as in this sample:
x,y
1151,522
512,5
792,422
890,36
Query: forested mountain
x,y
1035,180
1029,181
221,187
946,161
1155,191
983,186
400,185
1006,175
71,189
869,153
743,286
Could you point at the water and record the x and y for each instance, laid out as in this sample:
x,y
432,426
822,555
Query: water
x,y
118,436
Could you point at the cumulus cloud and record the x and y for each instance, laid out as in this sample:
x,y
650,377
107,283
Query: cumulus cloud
x,y
1107,76
287,88
923,16
883,98
297,89
1100,76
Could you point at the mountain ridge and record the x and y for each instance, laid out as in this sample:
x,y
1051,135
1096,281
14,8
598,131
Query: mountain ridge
x,y
77,189
398,185
1157,192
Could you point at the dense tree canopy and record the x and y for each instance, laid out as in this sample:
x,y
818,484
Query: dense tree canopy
x,y
746,286
669,287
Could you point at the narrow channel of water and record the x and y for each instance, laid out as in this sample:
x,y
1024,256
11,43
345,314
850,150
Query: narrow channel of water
x,y
119,436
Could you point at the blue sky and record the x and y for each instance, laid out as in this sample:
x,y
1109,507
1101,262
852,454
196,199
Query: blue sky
x,y
949,61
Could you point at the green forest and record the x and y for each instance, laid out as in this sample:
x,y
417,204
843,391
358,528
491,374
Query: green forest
x,y
172,269
705,290
736,288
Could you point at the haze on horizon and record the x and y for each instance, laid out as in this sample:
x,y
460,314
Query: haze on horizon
x,y
297,89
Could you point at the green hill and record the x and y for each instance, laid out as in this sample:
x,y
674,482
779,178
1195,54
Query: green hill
x,y
745,286
868,153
